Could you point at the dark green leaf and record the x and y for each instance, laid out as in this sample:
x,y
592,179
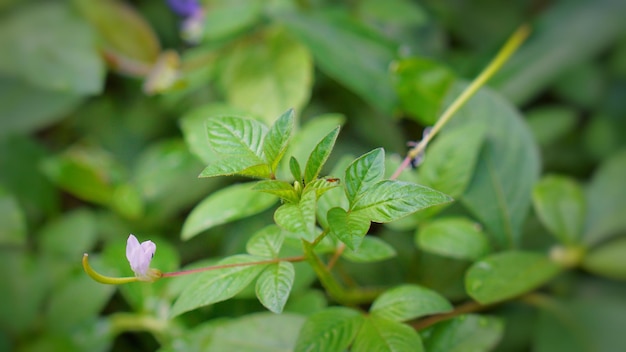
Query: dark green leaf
x,y
466,333
363,173
274,285
453,237
277,139
266,242
71,235
319,155
281,189
296,170
550,123
332,329
12,222
298,218
608,259
372,249
508,274
408,302
379,334
349,228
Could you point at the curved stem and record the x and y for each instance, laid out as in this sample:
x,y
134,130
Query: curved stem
x,y
105,279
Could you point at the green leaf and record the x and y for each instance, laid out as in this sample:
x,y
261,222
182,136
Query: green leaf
x,y
296,170
407,302
348,51
229,135
363,173
608,259
319,155
243,165
277,139
560,205
268,75
458,238
606,197
224,206
332,329
390,200
508,274
451,159
61,58
218,285
298,218
372,249
550,123
322,185
348,227
378,334
71,235
421,85
274,285
266,242
466,333
12,222
499,193
282,189
227,18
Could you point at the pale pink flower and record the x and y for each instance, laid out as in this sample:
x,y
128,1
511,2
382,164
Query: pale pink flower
x,y
139,255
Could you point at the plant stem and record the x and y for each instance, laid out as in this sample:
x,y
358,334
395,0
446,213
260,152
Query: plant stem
x,y
516,39
467,307
234,265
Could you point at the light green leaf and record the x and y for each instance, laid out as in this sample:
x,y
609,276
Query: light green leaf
x,y
243,165
71,235
266,242
274,285
307,137
560,205
298,218
608,259
453,237
218,285
390,200
466,333
322,185
408,302
61,58
12,222
230,135
227,18
363,172
277,139
372,249
268,75
349,228
296,170
282,189
508,274
224,206
319,155
332,329
379,334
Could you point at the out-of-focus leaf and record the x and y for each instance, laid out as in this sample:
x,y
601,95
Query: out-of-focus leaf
x,y
298,218
348,227
379,334
372,249
319,155
71,235
12,221
508,274
332,329
228,17
274,285
408,302
582,85
608,259
347,51
465,333
453,237
224,206
48,47
549,123
268,76
404,12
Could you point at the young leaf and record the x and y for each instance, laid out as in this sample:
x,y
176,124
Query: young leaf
x,y
453,237
560,205
230,135
266,242
372,249
295,169
224,206
349,228
465,333
332,329
363,172
390,200
319,155
379,334
281,189
274,285
508,274
322,185
243,165
298,218
608,259
218,285
408,302
277,139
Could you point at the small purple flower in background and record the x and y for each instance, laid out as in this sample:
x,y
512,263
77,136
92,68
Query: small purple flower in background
x,y
193,19
139,255
185,8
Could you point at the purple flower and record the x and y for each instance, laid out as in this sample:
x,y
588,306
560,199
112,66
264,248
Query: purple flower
x,y
185,8
139,255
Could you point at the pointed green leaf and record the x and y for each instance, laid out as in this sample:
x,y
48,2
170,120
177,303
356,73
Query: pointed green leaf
x,y
349,228
508,274
298,218
363,172
560,204
332,329
266,242
230,135
218,285
465,333
243,165
224,206
322,185
372,249
608,259
379,334
408,302
277,138
296,170
391,200
453,237
282,189
319,155
274,285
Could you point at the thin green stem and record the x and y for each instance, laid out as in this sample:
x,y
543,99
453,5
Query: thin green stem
x,y
105,279
516,39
